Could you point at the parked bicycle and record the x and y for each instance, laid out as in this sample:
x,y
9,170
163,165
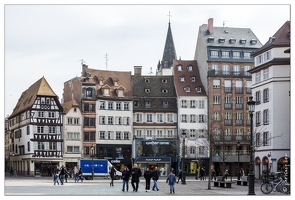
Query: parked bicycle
x,y
277,185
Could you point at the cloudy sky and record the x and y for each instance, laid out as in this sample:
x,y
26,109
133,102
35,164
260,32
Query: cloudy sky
x,y
51,40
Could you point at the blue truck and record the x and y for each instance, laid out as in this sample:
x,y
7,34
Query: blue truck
x,y
101,168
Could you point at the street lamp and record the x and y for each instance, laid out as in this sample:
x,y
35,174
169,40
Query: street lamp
x,y
183,156
251,108
239,169
92,155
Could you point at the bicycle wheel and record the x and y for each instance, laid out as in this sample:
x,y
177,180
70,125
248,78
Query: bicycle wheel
x,y
266,188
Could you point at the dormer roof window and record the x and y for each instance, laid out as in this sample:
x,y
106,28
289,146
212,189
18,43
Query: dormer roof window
x,y
190,68
179,68
146,80
221,40
253,41
193,79
210,39
120,91
115,80
232,40
242,41
187,89
181,78
106,90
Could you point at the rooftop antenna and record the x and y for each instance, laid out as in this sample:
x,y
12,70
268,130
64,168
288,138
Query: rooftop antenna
x,y
82,61
169,16
106,57
151,71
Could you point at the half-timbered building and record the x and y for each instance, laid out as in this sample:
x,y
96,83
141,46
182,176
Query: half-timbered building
x,y
36,131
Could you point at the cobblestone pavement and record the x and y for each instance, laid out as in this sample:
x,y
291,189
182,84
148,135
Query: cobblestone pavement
x,y
43,186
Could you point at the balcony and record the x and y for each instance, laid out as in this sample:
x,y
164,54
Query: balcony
x,y
213,72
231,156
230,138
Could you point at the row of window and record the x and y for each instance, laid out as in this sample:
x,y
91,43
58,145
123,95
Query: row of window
x,y
113,105
265,96
193,104
262,139
110,135
262,116
226,69
193,118
230,54
262,58
228,100
228,131
110,120
259,78
149,117
189,68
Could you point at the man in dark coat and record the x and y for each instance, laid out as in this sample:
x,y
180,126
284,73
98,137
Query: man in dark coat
x,y
136,173
112,174
147,175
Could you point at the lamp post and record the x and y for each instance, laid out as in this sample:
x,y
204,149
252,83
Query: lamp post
x,y
251,108
92,155
183,156
239,168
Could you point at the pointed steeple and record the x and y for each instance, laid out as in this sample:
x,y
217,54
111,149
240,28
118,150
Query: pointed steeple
x,y
169,50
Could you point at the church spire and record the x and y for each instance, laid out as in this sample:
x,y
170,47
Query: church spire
x,y
169,49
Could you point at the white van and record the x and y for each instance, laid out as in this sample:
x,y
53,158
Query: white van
x,y
118,174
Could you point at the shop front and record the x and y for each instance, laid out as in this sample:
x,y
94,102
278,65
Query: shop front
x,y
120,163
163,164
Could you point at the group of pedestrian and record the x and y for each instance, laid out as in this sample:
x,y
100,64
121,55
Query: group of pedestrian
x,y
61,174
135,175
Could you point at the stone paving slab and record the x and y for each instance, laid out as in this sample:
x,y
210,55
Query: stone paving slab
x,y
43,186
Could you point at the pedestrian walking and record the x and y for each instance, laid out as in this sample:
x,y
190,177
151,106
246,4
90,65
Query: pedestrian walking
x,y
147,176
14,173
179,176
213,174
62,174
136,173
112,174
56,175
202,173
155,176
171,181
80,175
226,174
76,175
125,178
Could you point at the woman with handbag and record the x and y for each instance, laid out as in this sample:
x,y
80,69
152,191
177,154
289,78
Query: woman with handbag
x,y
125,178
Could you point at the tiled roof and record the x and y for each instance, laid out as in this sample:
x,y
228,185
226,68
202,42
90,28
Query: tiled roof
x,y
187,76
68,105
280,39
108,78
155,84
227,34
27,99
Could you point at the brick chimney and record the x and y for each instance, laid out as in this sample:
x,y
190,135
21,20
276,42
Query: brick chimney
x,y
210,25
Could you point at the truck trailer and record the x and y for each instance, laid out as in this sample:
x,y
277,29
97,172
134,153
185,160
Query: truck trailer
x,y
101,168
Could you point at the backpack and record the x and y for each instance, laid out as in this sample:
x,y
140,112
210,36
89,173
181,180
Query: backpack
x,y
171,179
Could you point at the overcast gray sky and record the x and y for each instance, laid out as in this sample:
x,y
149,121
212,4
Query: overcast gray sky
x,y
50,40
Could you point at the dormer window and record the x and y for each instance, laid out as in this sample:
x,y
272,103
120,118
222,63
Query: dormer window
x,y
210,39
199,89
147,90
253,41
106,90
190,68
164,91
164,81
120,91
146,80
187,89
179,68
221,40
232,40
242,41
181,78
116,83
193,79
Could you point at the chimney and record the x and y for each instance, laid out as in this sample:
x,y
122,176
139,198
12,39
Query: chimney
x,y
210,25
137,70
